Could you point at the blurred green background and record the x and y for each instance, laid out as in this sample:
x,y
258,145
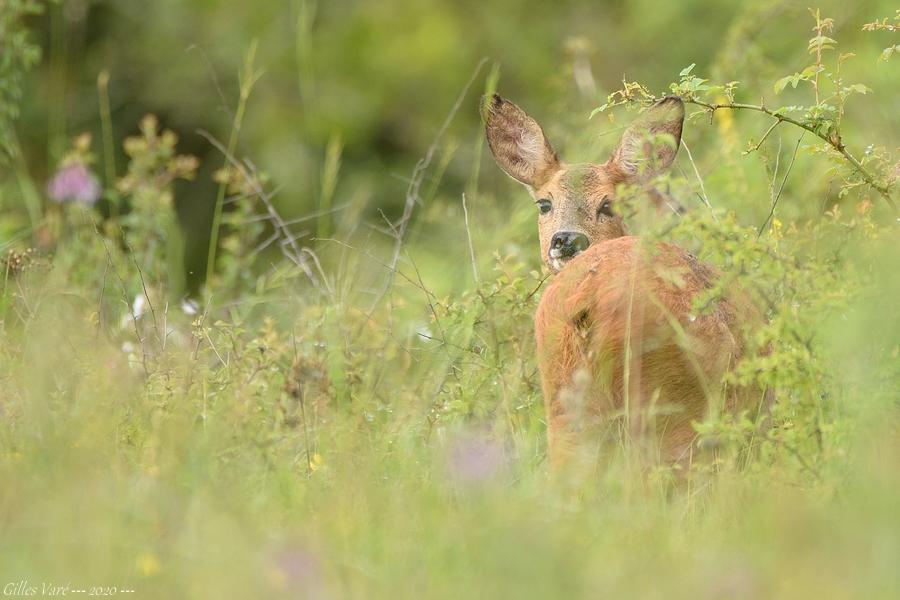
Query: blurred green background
x,y
281,442
378,78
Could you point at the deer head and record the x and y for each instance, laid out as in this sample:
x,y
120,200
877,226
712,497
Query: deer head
x,y
576,203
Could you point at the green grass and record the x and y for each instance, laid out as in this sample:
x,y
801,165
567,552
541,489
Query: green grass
x,y
419,474
289,441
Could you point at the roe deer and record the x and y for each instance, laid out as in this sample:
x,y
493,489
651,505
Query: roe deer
x,y
615,330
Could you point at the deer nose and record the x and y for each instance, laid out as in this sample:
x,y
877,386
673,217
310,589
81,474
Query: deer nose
x,y
566,244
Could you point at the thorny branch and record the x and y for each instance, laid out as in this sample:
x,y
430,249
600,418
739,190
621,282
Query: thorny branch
x,y
289,247
415,183
833,140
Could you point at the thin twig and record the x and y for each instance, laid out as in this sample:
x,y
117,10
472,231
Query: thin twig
x,y
781,189
412,191
371,256
775,172
214,77
247,79
128,305
704,196
100,298
146,293
833,140
535,290
428,299
265,244
294,237
469,236
290,249
310,216
763,138
315,258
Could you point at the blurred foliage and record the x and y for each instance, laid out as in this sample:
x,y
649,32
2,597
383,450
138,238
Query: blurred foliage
x,y
348,404
381,76
20,54
886,24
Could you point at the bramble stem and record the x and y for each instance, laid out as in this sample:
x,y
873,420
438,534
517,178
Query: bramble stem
x,y
833,141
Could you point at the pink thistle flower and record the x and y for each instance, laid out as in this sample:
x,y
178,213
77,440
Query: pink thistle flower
x,y
298,570
74,183
476,459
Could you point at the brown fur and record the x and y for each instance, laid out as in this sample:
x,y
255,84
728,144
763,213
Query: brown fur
x,y
622,312
615,329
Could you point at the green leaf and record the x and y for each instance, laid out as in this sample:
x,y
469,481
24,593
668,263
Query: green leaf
x,y
687,70
858,88
821,42
782,83
888,52
810,72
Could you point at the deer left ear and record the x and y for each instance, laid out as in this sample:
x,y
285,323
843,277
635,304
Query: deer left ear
x,y
649,145
518,143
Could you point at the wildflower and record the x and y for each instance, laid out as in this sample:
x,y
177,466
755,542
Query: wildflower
x,y
315,461
135,311
17,262
189,307
74,183
296,567
475,459
147,564
424,332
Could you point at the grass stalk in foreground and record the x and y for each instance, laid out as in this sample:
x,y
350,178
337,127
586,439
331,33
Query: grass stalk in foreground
x,y
248,78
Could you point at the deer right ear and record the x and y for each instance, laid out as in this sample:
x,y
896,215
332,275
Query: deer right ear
x,y
650,143
518,143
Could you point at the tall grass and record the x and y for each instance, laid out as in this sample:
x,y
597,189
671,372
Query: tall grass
x,y
377,430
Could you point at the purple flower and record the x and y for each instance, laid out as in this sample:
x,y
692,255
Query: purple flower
x,y
298,570
74,183
476,459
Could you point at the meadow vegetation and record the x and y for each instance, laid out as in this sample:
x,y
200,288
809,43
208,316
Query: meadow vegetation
x,y
266,305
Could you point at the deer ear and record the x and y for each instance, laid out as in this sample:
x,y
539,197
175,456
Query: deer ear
x,y
518,143
650,143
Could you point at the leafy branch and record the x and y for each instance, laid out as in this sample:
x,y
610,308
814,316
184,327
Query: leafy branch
x,y
831,136
886,25
822,118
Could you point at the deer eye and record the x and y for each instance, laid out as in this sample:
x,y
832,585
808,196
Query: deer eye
x,y
605,208
544,206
